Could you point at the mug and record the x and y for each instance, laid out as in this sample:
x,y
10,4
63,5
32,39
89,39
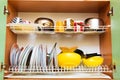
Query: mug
x,y
69,23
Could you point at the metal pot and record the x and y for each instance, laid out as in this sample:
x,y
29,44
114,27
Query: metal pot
x,y
94,23
47,24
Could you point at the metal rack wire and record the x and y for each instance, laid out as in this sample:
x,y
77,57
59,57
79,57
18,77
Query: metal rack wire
x,y
53,69
36,28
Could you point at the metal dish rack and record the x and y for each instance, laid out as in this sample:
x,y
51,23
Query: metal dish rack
x,y
37,28
54,70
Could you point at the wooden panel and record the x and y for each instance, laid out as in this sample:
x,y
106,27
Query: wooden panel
x,y
103,13
10,39
10,36
105,39
58,6
105,47
12,14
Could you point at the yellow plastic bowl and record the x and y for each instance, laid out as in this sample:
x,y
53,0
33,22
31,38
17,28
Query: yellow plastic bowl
x,y
69,60
93,61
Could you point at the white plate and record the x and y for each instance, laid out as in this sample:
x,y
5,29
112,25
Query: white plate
x,y
25,58
33,58
13,52
55,58
43,57
11,56
22,55
17,57
38,58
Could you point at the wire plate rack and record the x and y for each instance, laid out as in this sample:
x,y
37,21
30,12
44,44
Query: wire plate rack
x,y
53,69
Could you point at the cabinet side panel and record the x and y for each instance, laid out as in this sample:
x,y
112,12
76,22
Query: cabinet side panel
x,y
10,39
10,36
105,39
12,14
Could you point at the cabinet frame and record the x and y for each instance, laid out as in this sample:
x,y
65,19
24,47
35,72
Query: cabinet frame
x,y
104,38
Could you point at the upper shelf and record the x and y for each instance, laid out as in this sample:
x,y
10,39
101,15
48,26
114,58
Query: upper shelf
x,y
36,28
82,6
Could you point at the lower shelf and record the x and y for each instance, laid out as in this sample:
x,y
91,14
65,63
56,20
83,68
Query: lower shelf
x,y
65,75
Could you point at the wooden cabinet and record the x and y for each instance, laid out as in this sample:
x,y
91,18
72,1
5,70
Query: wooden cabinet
x,y
101,7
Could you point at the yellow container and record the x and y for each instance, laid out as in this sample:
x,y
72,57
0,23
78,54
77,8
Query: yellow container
x,y
68,59
94,61
59,26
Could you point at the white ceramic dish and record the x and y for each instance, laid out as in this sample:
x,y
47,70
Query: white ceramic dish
x,y
26,55
13,52
32,60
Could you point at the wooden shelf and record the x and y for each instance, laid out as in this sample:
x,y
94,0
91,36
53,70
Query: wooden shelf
x,y
73,6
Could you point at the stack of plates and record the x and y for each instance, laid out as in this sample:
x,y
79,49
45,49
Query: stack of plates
x,y
33,57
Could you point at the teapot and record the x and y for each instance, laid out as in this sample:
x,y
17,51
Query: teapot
x,y
68,58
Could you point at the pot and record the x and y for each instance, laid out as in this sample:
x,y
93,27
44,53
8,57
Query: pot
x,y
47,24
94,23
94,61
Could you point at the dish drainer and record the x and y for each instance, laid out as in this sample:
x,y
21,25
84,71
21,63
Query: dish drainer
x,y
55,70
36,28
